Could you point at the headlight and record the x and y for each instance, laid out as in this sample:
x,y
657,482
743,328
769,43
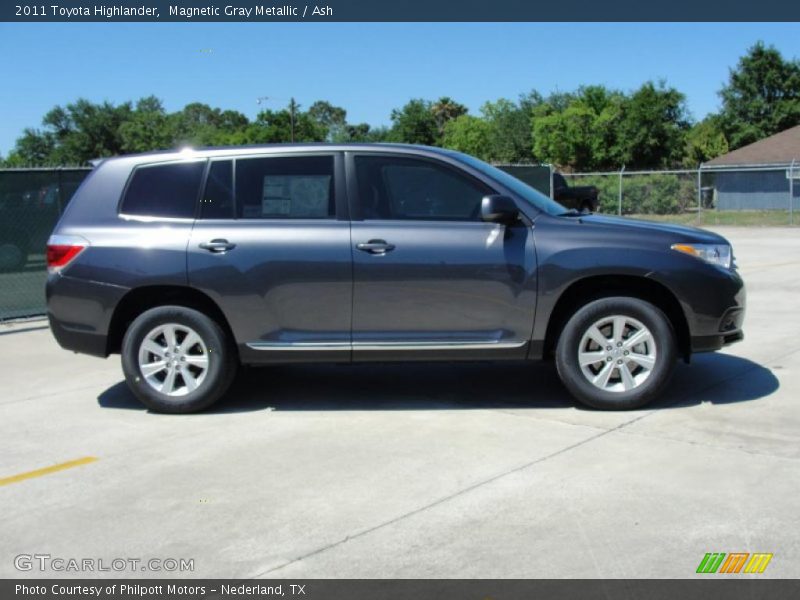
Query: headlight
x,y
716,254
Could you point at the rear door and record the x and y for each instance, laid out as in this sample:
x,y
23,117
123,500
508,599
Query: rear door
x,y
430,278
271,246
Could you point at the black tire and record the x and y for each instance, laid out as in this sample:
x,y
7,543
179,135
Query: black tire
x,y
221,360
569,342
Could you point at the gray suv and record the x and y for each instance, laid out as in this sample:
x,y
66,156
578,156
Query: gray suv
x,y
191,263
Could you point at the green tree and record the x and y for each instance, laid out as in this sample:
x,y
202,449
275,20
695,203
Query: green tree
x,y
704,141
530,100
444,110
275,126
361,132
199,124
468,134
762,96
564,137
510,131
579,130
414,123
148,128
376,134
84,130
33,148
600,129
653,127
333,119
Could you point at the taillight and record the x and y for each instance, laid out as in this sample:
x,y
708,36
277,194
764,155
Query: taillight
x,y
62,250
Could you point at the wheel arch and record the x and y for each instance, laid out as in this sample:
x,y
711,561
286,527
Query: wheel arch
x,y
138,300
588,289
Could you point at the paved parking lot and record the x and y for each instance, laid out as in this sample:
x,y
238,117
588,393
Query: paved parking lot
x,y
467,470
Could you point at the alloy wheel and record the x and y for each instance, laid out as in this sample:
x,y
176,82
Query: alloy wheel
x,y
617,353
173,359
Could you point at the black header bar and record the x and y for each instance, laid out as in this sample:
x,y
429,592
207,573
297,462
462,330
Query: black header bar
x,y
253,11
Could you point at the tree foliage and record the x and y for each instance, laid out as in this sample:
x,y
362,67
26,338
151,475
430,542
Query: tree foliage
x,y
704,141
579,130
444,110
414,123
762,96
468,134
509,131
598,129
588,129
332,118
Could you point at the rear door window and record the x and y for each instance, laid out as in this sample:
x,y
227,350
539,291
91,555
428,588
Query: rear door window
x,y
166,190
297,187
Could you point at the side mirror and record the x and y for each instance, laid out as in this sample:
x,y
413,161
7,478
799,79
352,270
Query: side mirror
x,y
499,209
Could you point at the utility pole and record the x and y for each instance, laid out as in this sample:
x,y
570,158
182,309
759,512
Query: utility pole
x,y
292,108
791,193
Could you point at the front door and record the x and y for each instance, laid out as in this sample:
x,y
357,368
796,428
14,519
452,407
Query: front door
x,y
430,279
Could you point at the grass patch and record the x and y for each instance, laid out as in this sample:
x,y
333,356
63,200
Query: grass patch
x,y
742,218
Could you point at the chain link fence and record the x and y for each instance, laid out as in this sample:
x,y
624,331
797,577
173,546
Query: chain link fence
x,y
31,201
741,195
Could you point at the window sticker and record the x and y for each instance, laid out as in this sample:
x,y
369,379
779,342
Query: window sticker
x,y
295,195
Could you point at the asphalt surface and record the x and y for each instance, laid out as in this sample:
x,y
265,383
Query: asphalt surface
x,y
469,470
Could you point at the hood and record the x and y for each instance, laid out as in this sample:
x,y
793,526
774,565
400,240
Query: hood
x,y
679,232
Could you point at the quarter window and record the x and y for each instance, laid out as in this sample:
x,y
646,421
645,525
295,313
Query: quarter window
x,y
411,189
217,199
299,187
168,190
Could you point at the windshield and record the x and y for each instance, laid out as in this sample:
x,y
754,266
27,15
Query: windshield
x,y
522,189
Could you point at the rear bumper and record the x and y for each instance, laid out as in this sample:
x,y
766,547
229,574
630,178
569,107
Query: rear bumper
x,y
78,341
80,312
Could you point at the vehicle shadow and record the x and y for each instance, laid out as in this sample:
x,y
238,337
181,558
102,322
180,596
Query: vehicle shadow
x,y
714,378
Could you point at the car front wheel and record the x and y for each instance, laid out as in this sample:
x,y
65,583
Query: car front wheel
x,y
616,353
177,360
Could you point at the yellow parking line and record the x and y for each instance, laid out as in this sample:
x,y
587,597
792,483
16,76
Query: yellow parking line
x,y
47,470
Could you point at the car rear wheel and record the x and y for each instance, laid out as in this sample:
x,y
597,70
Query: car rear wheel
x,y
177,360
616,353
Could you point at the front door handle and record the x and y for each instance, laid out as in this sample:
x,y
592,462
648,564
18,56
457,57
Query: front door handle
x,y
376,247
217,246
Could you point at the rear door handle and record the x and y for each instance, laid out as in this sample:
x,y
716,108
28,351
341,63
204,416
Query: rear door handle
x,y
217,246
375,247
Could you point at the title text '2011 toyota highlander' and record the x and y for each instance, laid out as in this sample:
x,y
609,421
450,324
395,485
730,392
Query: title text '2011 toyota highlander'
x,y
190,263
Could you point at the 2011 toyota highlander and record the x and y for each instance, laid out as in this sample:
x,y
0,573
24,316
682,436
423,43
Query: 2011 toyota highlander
x,y
192,262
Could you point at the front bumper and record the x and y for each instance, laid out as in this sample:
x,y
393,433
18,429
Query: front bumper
x,y
723,326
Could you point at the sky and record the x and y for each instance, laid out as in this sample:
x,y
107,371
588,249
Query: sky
x,y
367,68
